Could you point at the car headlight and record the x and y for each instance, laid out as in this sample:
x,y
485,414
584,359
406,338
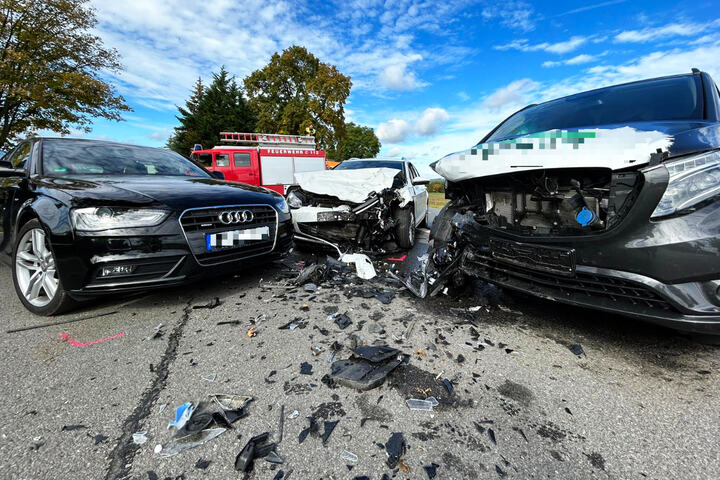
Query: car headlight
x,y
282,205
95,219
692,180
294,199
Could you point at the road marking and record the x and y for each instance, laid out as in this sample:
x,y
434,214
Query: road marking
x,y
79,344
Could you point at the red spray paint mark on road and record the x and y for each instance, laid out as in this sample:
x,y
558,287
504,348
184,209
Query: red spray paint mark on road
x,y
79,344
399,259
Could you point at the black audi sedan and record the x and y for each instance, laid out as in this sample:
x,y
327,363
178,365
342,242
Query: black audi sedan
x,y
81,218
608,199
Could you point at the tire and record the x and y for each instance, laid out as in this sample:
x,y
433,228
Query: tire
x,y
33,258
405,227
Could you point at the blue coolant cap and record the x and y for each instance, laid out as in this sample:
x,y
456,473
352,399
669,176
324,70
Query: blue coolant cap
x,y
585,217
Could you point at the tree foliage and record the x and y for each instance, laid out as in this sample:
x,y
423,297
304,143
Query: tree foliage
x,y
220,107
50,68
359,142
295,91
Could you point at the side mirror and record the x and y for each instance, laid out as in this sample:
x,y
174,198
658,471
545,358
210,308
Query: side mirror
x,y
218,175
6,172
420,181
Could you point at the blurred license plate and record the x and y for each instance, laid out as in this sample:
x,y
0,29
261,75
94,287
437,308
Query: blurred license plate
x,y
235,238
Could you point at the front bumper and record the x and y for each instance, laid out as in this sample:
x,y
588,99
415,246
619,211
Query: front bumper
x,y
665,271
160,257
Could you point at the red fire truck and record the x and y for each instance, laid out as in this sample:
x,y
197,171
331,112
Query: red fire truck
x,y
265,159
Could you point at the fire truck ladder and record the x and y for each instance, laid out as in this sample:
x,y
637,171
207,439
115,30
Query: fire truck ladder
x,y
269,140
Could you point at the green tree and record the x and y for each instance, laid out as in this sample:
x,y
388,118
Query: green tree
x,y
50,68
359,142
221,107
296,90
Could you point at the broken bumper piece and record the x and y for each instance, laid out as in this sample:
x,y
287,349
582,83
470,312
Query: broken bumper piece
x,y
368,368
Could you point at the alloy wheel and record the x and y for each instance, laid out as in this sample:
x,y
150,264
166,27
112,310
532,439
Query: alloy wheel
x,y
35,268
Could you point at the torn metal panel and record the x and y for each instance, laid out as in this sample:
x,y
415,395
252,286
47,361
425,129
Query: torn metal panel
x,y
347,185
614,148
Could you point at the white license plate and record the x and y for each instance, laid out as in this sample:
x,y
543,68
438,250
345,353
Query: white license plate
x,y
235,238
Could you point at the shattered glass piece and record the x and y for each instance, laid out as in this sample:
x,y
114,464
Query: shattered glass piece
x,y
189,441
395,448
182,415
230,402
210,378
348,456
305,368
433,400
329,427
420,405
139,438
294,414
310,287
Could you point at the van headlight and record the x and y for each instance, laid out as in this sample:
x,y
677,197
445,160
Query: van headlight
x,y
95,219
692,180
294,199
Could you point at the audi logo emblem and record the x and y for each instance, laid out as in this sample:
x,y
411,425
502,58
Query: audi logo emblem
x,y
230,217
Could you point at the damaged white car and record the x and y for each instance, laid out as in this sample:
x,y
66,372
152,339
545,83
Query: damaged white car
x,y
368,204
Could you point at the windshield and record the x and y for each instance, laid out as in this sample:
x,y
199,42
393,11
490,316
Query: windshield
x,y
356,165
83,157
675,98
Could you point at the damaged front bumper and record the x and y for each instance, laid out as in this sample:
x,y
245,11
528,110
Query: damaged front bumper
x,y
663,271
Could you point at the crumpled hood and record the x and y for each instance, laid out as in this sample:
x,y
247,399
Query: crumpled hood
x,y
613,148
347,185
177,193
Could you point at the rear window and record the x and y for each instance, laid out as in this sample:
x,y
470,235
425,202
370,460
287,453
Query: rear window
x,y
675,98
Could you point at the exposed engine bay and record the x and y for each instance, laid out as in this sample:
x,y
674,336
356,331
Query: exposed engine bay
x,y
369,225
548,202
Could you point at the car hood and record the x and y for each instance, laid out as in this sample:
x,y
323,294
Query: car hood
x,y
347,185
609,146
177,193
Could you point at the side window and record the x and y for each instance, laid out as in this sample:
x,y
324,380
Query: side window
x,y
20,157
204,159
222,160
241,159
413,172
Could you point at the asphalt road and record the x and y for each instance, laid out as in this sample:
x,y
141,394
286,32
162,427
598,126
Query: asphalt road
x,y
642,402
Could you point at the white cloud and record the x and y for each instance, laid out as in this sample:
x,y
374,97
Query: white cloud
x,y
398,77
393,131
512,94
514,14
394,152
463,96
576,60
558,47
662,33
430,120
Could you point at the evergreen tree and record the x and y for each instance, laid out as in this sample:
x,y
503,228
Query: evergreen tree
x,y
220,107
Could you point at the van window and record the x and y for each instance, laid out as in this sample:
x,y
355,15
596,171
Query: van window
x,y
222,160
241,159
204,159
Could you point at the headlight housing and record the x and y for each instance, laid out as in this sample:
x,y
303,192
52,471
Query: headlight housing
x,y
294,199
282,205
692,180
95,219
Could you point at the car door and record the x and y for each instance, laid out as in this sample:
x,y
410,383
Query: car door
x,y
245,168
18,158
420,197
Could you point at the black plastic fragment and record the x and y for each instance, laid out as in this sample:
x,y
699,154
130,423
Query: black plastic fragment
x,y
342,321
376,353
202,464
385,297
431,470
70,428
314,427
257,447
280,474
99,438
491,434
363,374
329,427
500,471
306,368
448,385
576,349
395,448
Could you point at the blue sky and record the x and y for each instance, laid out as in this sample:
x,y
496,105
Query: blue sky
x,y
430,77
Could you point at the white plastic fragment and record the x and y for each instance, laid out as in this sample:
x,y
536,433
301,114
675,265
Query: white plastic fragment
x,y
158,448
139,438
363,265
294,414
348,456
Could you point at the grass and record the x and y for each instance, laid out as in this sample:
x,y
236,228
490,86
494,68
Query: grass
x,y
436,200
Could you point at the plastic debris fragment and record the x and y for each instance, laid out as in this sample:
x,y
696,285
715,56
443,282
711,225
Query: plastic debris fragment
x,y
189,441
182,415
139,438
395,448
230,402
419,404
257,447
294,414
363,265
